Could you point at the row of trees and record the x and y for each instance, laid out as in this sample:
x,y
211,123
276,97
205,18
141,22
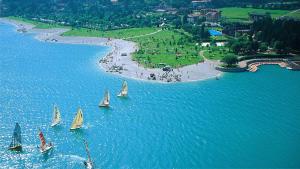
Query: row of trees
x,y
281,34
102,14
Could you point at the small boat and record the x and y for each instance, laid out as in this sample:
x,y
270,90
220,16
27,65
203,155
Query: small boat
x,y
124,90
56,117
44,147
105,101
78,120
88,163
16,143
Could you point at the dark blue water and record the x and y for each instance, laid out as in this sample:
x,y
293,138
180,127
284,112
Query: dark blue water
x,y
242,120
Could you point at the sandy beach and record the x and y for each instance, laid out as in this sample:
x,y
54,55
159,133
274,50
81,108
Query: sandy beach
x,y
118,61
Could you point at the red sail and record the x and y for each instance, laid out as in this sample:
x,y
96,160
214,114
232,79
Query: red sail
x,y
42,138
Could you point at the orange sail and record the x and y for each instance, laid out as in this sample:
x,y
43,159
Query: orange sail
x,y
42,139
44,148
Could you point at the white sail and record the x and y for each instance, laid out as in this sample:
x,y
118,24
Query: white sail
x,y
78,120
124,90
56,117
106,99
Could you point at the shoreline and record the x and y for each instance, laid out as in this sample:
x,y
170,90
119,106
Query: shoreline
x,y
118,61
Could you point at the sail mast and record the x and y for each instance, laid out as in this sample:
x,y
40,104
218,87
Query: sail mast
x,y
87,151
107,96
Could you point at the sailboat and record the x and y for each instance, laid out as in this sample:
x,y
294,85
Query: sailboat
x,y
56,117
105,101
88,163
124,90
44,147
16,143
78,120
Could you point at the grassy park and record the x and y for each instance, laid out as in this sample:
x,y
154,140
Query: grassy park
x,y
216,53
120,33
294,14
241,14
170,47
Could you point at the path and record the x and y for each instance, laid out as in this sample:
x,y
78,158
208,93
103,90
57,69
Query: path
x,y
290,13
201,53
152,33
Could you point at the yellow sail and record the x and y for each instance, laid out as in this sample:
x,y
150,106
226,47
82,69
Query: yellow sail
x,y
78,120
56,116
124,90
106,99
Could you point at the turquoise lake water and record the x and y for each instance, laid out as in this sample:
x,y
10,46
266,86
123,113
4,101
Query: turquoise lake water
x,y
242,120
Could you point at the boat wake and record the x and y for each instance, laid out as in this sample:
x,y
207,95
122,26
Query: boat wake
x,y
72,157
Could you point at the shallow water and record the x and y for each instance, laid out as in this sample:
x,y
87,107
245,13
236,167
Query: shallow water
x,y
242,120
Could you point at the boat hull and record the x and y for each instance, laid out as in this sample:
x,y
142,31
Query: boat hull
x,y
88,164
104,105
47,149
16,148
122,95
54,124
75,128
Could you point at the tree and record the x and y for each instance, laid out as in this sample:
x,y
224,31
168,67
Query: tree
x,y
263,47
279,47
236,47
230,60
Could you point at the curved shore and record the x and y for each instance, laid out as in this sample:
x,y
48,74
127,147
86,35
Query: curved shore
x,y
118,61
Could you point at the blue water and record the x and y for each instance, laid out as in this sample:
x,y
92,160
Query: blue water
x,y
242,120
213,32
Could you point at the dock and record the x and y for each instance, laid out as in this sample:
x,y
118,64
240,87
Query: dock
x,y
253,67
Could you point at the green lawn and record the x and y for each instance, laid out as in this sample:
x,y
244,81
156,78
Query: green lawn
x,y
39,25
295,14
216,53
241,14
121,33
219,38
169,47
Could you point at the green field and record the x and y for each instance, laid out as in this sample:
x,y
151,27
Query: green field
x,y
219,38
216,53
121,33
241,14
39,25
167,46
294,14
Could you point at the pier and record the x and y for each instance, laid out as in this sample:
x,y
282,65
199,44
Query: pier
x,y
253,67
253,64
